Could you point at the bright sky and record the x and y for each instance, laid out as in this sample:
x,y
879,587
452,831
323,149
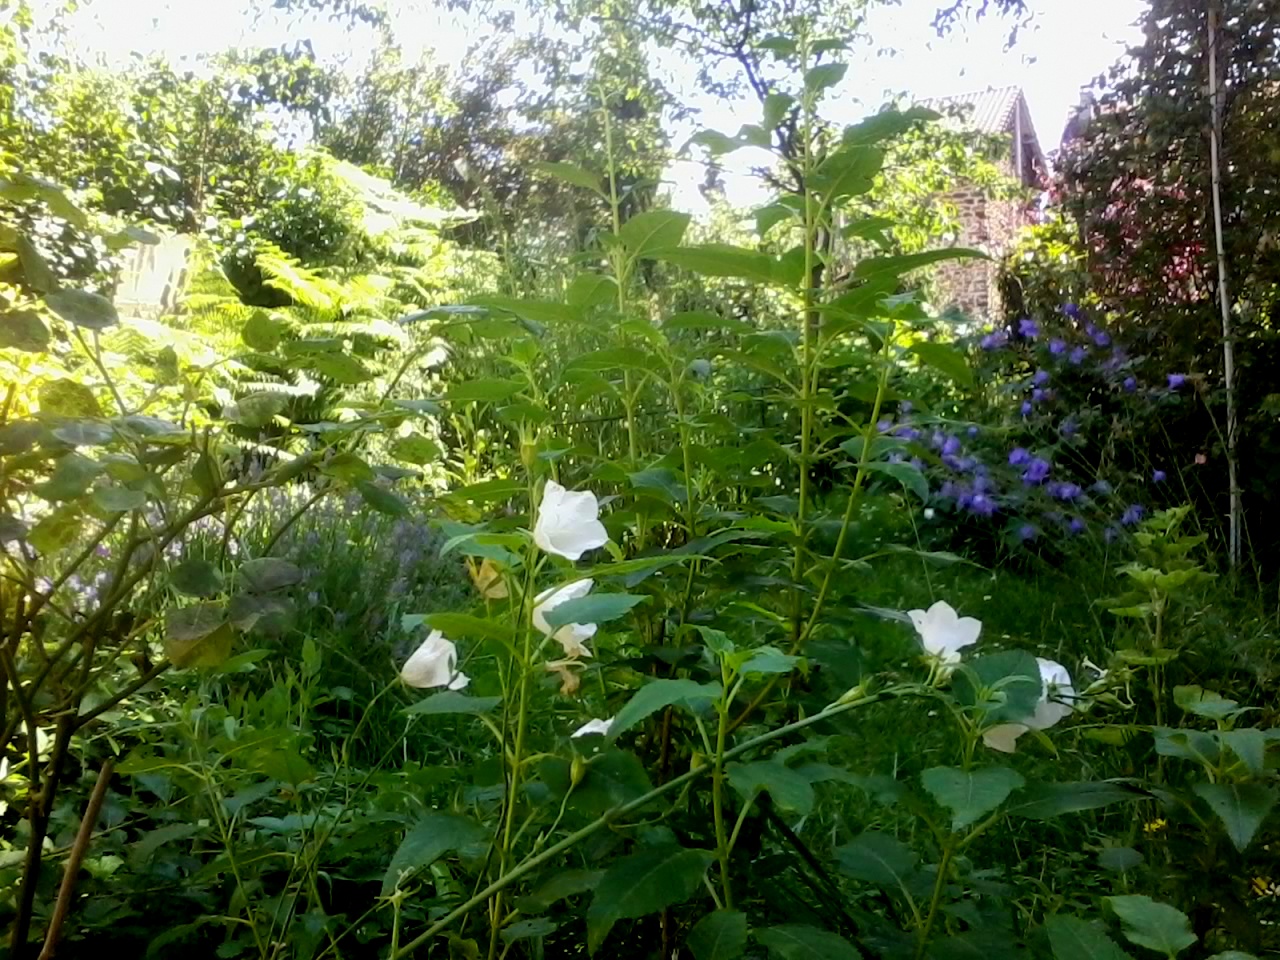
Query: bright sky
x,y
1067,44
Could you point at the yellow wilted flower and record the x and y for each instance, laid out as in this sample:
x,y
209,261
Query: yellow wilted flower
x,y
1155,826
488,579
1263,887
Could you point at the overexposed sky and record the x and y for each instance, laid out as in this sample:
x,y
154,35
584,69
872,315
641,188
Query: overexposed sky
x,y
1066,45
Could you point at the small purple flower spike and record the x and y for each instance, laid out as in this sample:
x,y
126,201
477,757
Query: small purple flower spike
x,y
1057,346
1159,476
1130,384
1019,456
1040,379
1026,408
1077,356
1028,328
1177,380
1133,515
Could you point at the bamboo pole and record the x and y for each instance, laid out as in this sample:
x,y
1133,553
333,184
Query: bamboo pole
x,y
1236,509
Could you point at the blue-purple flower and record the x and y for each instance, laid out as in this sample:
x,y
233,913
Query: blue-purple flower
x,y
951,446
1133,515
1028,328
1077,355
1027,533
1159,476
1018,456
982,505
1076,525
1102,338
1027,408
1040,379
1057,346
1071,310
1177,380
1037,471
995,340
1130,384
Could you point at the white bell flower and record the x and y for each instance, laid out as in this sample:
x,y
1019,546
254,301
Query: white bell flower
x,y
943,633
568,523
571,636
1056,698
434,664
600,727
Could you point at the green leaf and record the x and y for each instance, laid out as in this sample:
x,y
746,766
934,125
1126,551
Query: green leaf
x,y
723,260
848,172
1011,678
907,475
347,466
1156,926
593,608
776,108
267,574
824,76
1249,744
564,883
67,398
653,230
57,530
970,794
263,332
1044,801
767,660
115,499
591,290
703,320
492,390
82,308
572,174
142,850
795,941
258,409
896,266
71,478
450,701
340,367
1233,955
35,269
196,578
23,330
788,789
1205,703
1076,939
19,436
719,936
659,694
434,835
197,636
382,499
455,625
528,929
85,433
416,449
1242,807
877,858
642,883
946,359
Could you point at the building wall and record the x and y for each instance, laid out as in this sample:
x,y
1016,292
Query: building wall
x,y
989,225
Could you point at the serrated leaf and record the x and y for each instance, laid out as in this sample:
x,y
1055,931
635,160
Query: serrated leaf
x,y
1076,939
1013,675
591,290
1156,926
723,260
434,835
642,883
450,701
491,390
416,449
197,636
970,794
789,790
115,499
904,473
67,398
848,172
1204,703
1242,807
565,883
719,936
196,578
877,267
946,359
23,330
347,466
456,625
528,929
794,941
57,530
824,76
71,477
82,308
572,174
653,230
1044,801
593,608
657,695
382,499
267,574
878,858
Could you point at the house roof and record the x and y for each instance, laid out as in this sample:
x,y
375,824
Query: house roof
x,y
987,111
992,111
